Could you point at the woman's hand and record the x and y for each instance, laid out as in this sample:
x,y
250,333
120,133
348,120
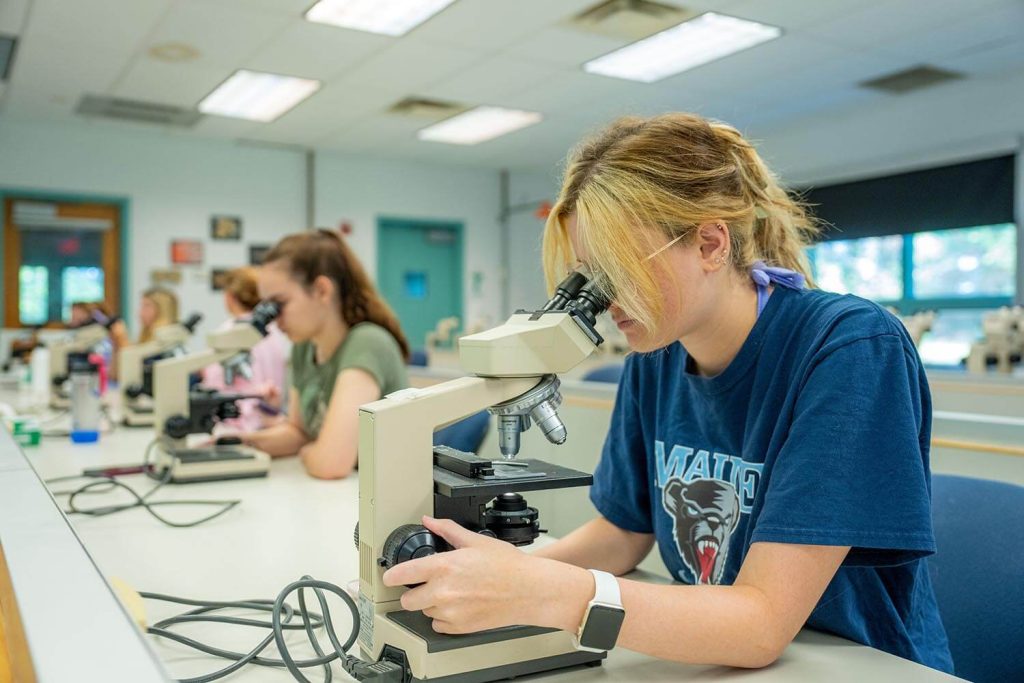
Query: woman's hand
x,y
486,583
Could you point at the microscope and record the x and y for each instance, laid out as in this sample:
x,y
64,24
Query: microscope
x,y
1002,346
135,369
180,410
81,343
402,477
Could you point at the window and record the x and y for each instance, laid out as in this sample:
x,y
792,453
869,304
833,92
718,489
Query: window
x,y
33,295
949,341
960,273
967,262
80,284
57,253
871,267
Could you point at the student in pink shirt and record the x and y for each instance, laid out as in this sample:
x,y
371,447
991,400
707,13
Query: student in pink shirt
x,y
268,359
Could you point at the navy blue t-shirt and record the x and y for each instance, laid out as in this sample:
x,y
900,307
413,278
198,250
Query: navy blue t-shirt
x,y
817,433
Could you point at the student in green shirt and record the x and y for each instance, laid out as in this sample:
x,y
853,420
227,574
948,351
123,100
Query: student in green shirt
x,y
348,350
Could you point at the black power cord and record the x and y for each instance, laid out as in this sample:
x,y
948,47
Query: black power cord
x,y
281,615
106,484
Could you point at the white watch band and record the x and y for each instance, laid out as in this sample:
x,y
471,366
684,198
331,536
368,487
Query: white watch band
x,y
606,589
606,593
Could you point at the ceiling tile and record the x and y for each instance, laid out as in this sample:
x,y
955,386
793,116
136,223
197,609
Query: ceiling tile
x,y
53,65
978,30
995,58
224,127
316,51
28,102
373,133
329,111
563,46
493,26
791,14
887,25
493,81
84,25
574,89
224,36
182,85
293,8
409,64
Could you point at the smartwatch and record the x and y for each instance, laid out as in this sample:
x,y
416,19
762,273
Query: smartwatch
x,y
604,615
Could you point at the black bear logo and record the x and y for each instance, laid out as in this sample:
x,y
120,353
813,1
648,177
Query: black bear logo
x,y
705,511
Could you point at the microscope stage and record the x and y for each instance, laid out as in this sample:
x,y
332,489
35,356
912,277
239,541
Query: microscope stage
x,y
545,476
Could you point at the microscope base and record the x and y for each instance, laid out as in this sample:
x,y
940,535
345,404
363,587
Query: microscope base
x,y
214,463
495,655
133,418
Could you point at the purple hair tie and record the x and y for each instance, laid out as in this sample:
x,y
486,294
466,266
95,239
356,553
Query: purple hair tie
x,y
763,275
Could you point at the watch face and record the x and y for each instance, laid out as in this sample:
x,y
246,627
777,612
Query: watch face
x,y
602,627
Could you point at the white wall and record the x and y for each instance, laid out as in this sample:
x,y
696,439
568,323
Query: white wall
x,y
527,288
360,191
174,184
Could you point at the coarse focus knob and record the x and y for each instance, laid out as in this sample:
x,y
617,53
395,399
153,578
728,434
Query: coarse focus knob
x,y
355,535
177,427
409,542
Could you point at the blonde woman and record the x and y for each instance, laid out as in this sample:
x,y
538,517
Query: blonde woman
x,y
158,307
771,439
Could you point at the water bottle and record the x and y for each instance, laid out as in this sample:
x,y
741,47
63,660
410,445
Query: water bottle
x,y
86,391
39,367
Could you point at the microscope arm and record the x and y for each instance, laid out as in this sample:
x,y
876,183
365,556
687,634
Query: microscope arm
x,y
84,339
170,376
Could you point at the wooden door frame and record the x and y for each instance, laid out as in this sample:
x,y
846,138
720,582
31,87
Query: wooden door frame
x,y
9,302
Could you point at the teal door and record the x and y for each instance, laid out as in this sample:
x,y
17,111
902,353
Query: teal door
x,y
419,272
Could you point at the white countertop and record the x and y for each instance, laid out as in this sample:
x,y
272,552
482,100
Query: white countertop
x,y
287,525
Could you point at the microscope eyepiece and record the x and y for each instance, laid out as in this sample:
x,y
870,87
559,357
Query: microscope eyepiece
x,y
264,314
591,301
566,291
191,322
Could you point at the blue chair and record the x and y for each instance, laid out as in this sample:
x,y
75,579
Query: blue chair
x,y
978,573
418,357
605,373
465,435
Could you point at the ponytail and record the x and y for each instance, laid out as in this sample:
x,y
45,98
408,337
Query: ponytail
x,y
309,255
781,226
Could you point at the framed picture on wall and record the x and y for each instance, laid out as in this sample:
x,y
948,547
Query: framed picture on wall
x,y
186,252
218,278
256,253
226,227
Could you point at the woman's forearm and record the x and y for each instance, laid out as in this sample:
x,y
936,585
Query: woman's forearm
x,y
724,625
721,625
328,462
599,544
281,439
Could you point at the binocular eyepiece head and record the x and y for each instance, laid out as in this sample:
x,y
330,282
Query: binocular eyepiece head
x,y
264,314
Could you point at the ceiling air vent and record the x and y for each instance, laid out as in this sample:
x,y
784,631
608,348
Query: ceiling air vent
x,y
909,80
629,19
423,108
133,110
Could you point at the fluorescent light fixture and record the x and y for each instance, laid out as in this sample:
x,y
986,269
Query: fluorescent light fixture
x,y
698,41
389,17
257,96
479,125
